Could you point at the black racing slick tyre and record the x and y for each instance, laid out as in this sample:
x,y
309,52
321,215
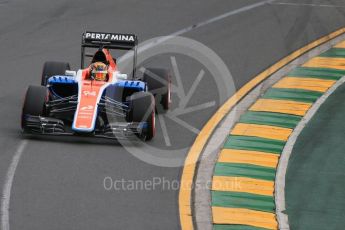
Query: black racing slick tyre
x,y
34,102
159,84
51,68
143,109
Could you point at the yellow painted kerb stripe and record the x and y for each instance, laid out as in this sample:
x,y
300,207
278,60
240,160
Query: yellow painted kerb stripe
x,y
264,131
243,184
340,45
193,155
312,84
281,106
248,157
326,62
242,216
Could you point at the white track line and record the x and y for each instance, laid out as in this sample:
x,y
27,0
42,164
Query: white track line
x,y
5,200
204,23
222,16
6,193
306,4
285,156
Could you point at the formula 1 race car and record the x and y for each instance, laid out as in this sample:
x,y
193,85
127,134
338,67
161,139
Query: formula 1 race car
x,y
98,100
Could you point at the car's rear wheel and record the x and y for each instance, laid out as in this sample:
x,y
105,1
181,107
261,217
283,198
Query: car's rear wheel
x,y
143,110
51,68
34,102
159,84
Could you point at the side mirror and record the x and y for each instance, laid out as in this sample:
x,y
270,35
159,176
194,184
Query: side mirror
x,y
121,76
70,73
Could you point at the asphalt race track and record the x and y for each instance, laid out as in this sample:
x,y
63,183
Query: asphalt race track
x,y
59,182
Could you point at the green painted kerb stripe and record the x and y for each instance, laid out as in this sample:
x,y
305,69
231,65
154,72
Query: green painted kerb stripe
x,y
334,52
293,95
235,227
244,170
254,143
243,200
273,119
322,73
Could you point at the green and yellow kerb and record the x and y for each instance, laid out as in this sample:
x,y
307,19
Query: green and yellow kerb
x,y
244,175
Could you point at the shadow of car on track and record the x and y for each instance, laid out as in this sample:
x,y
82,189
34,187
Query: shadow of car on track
x,y
79,140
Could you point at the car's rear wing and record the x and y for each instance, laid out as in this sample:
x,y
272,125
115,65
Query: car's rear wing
x,y
109,40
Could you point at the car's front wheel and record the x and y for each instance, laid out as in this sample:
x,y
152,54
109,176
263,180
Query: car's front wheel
x,y
34,102
143,110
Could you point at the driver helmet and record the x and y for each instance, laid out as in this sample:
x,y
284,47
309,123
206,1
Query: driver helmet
x,y
99,71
